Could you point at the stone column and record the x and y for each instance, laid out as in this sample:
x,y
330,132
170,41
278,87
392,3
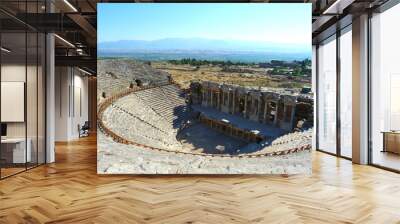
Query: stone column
x,y
211,98
249,110
233,102
252,106
284,111
218,100
229,100
266,114
245,106
288,123
276,113
292,116
259,107
282,122
204,98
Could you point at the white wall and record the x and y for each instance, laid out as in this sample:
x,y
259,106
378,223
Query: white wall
x,y
33,126
14,73
62,81
79,117
70,83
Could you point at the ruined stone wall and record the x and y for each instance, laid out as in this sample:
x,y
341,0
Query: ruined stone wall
x,y
304,112
230,130
279,108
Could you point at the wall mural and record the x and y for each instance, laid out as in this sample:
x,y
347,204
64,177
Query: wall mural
x,y
204,88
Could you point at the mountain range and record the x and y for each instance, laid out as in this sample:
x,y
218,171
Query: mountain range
x,y
186,44
200,48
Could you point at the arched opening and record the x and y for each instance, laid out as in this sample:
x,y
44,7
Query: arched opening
x,y
139,82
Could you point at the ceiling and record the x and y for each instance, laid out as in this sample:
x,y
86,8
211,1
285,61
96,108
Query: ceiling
x,y
75,21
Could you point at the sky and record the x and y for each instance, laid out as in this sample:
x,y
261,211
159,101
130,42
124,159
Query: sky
x,y
276,23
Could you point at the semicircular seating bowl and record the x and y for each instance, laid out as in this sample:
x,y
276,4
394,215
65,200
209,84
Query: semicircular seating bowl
x,y
153,116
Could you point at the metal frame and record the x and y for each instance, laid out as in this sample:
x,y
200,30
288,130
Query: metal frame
x,y
338,75
316,124
26,89
369,78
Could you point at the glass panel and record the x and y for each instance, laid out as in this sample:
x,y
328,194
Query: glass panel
x,y
32,88
31,98
13,86
327,96
385,84
41,99
346,94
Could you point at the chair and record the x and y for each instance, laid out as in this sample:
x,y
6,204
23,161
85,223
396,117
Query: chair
x,y
84,130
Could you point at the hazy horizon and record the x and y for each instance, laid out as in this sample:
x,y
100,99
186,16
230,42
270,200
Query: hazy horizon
x,y
166,38
202,44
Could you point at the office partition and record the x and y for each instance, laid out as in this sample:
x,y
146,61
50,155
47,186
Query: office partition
x,y
22,77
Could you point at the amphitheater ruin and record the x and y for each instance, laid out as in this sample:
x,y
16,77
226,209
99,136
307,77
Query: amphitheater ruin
x,y
148,124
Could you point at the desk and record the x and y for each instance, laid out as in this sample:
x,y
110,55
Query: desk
x,y
391,141
13,150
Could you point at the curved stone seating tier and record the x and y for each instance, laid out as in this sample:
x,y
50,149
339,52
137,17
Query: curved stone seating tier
x,y
134,129
288,141
146,117
294,136
132,105
167,101
111,86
